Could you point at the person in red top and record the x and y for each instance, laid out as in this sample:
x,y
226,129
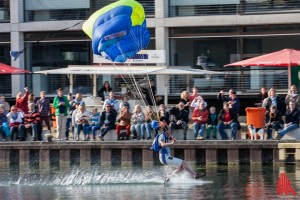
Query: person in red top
x,y
194,94
21,101
200,117
228,120
32,121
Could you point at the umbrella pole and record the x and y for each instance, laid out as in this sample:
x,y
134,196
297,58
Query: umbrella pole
x,y
289,76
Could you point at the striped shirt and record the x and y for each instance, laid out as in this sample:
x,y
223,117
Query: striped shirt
x,y
32,117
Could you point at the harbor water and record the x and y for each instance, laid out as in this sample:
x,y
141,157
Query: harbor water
x,y
221,182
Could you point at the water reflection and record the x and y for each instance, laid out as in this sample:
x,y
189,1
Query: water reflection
x,y
222,182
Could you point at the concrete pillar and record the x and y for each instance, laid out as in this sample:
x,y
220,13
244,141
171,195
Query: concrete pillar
x,y
126,155
64,159
255,157
106,157
44,160
233,156
147,158
282,155
4,159
190,156
24,159
211,156
85,158
297,155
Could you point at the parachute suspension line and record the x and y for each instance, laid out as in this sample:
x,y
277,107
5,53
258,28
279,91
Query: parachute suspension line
x,y
152,94
139,91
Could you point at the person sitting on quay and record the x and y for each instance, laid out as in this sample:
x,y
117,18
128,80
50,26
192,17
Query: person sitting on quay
x,y
185,100
212,123
32,123
107,120
103,93
180,118
291,120
15,117
123,123
293,96
146,127
125,102
43,107
228,120
5,104
113,102
194,94
200,117
273,121
137,119
275,100
94,125
3,123
22,101
261,96
81,118
162,112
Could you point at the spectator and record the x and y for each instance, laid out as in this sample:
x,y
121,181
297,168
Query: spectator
x,y
15,120
293,96
104,91
212,123
107,121
3,121
5,104
43,107
291,120
61,105
273,121
261,96
31,98
180,118
81,118
21,101
200,117
78,98
275,100
221,96
137,119
228,120
194,94
72,107
163,113
196,102
125,103
32,123
149,117
95,123
114,103
234,103
124,123
185,100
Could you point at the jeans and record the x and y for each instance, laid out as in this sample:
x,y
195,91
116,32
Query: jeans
x,y
147,127
18,130
94,128
2,132
276,126
80,127
287,129
233,126
136,128
68,124
199,130
33,128
105,129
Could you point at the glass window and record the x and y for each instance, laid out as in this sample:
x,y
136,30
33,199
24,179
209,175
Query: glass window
x,y
4,11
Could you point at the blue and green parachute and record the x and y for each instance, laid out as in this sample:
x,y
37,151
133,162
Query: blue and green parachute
x,y
118,30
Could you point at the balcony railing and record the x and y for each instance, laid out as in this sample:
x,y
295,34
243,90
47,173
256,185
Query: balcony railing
x,y
231,7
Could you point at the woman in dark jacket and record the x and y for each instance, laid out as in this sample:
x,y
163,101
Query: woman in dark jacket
x,y
104,91
228,120
291,120
273,121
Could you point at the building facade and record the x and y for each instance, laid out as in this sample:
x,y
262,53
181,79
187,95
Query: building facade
x,y
195,33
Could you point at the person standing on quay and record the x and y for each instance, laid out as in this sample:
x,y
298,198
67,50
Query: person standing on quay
x,y
43,107
61,104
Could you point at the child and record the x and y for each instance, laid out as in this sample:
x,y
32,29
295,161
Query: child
x,y
212,122
94,125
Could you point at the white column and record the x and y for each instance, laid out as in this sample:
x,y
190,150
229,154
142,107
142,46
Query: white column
x,y
17,43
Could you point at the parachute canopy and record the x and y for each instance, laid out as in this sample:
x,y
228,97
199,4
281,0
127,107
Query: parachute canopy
x,y
118,30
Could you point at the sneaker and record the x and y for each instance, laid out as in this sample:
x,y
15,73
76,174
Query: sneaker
x,y
94,138
207,137
101,138
67,139
33,139
278,137
199,175
167,179
77,138
184,138
214,137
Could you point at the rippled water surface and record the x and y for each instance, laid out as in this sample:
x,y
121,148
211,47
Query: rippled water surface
x,y
221,182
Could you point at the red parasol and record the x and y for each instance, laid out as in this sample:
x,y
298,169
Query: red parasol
x,y
6,69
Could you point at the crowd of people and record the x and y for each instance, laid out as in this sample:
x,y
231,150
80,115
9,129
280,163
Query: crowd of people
x,y
134,122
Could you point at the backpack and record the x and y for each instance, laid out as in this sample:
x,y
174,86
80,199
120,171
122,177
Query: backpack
x,y
155,144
